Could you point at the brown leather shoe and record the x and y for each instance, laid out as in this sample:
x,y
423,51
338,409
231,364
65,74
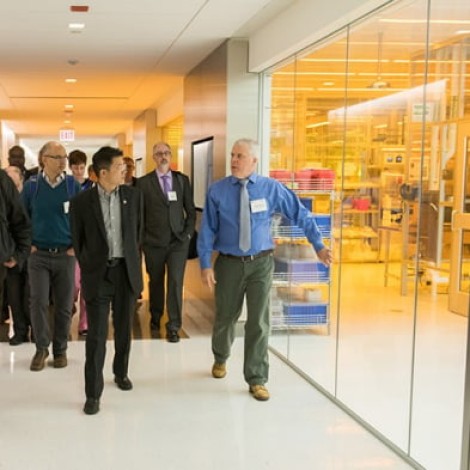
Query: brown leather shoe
x,y
219,370
39,360
259,392
60,361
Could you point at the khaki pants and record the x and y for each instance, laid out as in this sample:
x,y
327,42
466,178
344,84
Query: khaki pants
x,y
235,280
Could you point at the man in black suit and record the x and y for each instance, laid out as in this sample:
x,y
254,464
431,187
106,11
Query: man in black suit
x,y
106,227
169,219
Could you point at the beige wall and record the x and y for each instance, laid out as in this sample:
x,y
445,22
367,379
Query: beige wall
x,y
145,134
220,101
205,107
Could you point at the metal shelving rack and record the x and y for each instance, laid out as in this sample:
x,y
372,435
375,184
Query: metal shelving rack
x,y
294,274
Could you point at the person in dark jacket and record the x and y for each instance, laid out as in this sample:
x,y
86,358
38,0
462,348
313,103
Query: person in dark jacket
x,y
16,228
169,222
106,225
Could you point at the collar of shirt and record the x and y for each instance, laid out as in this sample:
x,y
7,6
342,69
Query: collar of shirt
x,y
252,178
103,192
53,184
159,174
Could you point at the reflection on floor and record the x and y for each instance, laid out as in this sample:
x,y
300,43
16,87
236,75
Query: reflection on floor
x,y
177,415
373,344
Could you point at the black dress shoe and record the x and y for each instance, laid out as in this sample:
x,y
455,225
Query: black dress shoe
x,y
154,325
18,339
123,383
92,406
172,337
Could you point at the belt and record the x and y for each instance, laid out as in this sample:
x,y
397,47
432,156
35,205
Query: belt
x,y
248,258
55,250
113,262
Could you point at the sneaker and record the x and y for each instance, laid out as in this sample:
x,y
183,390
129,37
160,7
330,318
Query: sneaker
x,y
60,361
259,392
39,360
219,370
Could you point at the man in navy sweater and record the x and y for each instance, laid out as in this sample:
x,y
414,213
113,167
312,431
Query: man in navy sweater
x,y
52,261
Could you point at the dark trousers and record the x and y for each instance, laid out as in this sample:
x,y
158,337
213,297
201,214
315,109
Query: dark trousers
x,y
18,298
51,272
171,259
235,281
115,292
3,294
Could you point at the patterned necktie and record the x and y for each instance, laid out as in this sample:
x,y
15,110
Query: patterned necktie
x,y
166,184
245,223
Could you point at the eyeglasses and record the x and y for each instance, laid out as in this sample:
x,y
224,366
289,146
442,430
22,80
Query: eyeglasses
x,y
57,157
166,153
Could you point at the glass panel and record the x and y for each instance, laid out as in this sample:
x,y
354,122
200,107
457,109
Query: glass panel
x,y
464,284
440,341
464,272
318,150
379,213
368,108
281,163
466,182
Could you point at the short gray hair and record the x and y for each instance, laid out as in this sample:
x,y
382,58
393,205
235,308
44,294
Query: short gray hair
x,y
252,145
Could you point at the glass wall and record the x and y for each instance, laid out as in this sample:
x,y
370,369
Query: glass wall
x,y
368,127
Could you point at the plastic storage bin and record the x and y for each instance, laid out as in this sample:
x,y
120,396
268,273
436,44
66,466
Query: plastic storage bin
x,y
299,313
302,270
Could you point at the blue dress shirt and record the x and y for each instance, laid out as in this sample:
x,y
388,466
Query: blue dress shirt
x,y
220,221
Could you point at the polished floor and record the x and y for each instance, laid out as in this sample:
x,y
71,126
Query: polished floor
x,y
177,417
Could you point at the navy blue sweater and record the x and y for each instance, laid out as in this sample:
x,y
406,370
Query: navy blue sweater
x,y
48,209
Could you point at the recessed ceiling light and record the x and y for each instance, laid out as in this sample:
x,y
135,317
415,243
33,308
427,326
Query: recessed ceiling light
x,y
71,80
68,106
67,121
76,27
328,83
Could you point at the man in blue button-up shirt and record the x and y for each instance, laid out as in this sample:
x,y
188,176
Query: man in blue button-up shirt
x,y
238,273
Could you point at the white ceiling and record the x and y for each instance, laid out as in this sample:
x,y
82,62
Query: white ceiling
x,y
131,55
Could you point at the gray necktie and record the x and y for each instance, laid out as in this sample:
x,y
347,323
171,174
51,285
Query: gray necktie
x,y
245,223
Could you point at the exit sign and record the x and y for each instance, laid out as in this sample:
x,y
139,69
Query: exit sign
x,y
67,135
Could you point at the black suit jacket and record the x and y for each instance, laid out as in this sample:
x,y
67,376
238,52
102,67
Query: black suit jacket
x,y
164,220
90,242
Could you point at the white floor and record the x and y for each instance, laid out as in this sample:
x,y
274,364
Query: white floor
x,y
177,417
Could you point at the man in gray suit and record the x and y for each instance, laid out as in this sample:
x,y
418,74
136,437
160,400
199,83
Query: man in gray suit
x,y
169,219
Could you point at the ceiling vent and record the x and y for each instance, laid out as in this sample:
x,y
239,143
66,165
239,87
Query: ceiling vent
x,y
79,8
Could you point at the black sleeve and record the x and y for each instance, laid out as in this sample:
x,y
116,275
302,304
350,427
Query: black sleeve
x,y
76,226
18,221
189,207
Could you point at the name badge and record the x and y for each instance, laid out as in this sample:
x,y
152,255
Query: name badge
x,y
66,207
258,205
172,196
